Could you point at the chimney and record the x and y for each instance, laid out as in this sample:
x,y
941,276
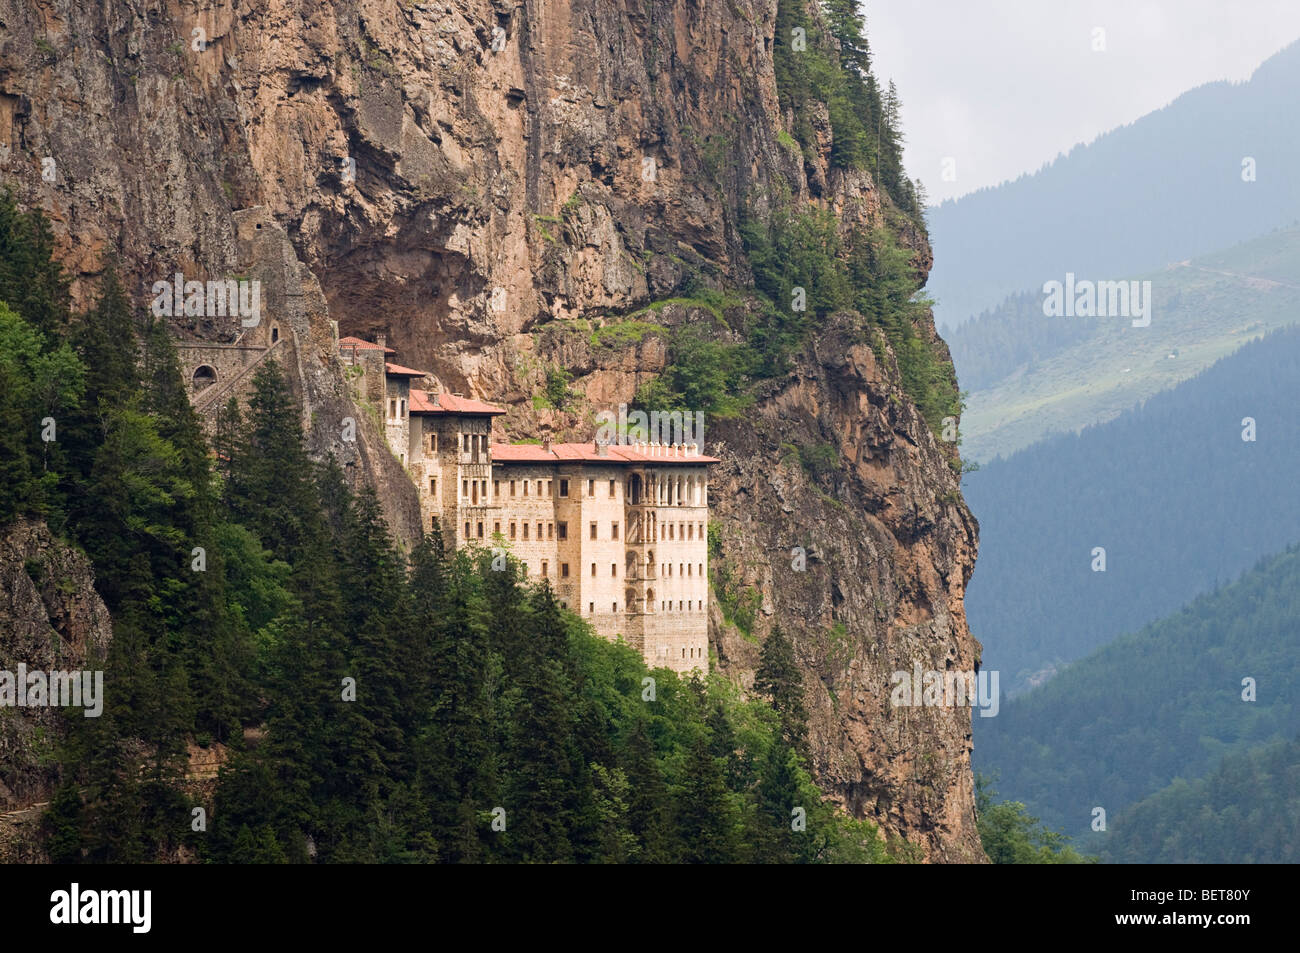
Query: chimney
x,y
433,399
546,444
602,449
381,340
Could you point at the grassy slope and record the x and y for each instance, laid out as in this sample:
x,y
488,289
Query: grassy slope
x,y
1203,310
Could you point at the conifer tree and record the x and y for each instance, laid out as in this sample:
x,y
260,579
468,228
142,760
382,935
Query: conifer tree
x,y
780,679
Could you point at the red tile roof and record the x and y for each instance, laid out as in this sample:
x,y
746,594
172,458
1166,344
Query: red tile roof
x,y
423,403
360,345
587,453
397,370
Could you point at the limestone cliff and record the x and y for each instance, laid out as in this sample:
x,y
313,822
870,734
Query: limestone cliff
x,y
479,179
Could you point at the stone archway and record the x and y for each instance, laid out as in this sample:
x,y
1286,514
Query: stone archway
x,y
204,376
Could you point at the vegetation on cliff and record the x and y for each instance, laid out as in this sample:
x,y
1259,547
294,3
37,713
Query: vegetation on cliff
x,y
375,708
805,266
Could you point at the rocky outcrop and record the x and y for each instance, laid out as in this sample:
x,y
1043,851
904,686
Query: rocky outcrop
x,y
51,619
486,182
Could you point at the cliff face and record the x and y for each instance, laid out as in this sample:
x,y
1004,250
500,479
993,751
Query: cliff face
x,y
468,177
51,619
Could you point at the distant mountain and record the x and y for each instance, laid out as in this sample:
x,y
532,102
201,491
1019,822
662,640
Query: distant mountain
x,y
1170,490
1164,703
1162,189
1246,812
1029,375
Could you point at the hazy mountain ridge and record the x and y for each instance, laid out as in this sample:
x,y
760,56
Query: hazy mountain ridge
x,y
1029,375
1161,189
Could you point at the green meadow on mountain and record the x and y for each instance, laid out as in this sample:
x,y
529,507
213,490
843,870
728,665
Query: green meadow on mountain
x,y
1028,376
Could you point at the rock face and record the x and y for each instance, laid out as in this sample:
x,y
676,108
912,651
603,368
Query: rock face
x,y
51,619
481,180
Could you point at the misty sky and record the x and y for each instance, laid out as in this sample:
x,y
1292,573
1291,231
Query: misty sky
x,y
1003,86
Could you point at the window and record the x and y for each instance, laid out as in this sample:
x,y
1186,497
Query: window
x,y
681,530
433,442
690,569
680,568
402,407
512,487
539,531
433,485
564,488
480,529
545,565
548,488
485,496
392,408
613,530
539,487
496,488
525,531
683,653
563,530
433,522
701,569
593,570
550,531
593,530
611,489
512,529
525,488
496,528
613,569
614,607
564,570
467,529
690,531
670,531
464,488
591,487
591,608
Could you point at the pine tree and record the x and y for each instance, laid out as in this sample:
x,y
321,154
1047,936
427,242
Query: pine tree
x,y
705,815
780,679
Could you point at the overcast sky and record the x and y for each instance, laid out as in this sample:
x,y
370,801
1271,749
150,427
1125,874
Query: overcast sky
x,y
1002,86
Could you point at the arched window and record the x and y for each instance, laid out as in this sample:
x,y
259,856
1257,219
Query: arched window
x,y
275,333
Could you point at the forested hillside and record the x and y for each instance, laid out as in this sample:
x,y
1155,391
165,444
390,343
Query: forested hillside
x,y
1246,812
1166,702
1171,491
1169,186
366,707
